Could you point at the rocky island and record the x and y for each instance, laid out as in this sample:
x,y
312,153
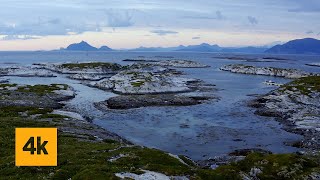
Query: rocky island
x,y
136,101
25,71
133,81
313,64
170,63
82,68
266,71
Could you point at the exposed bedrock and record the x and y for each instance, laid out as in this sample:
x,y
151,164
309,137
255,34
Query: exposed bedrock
x,y
266,71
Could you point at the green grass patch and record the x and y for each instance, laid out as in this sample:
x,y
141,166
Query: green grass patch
x,y
52,116
14,111
7,85
274,166
137,83
187,160
42,89
105,65
305,85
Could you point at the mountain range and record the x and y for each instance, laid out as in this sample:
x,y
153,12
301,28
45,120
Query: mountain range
x,y
298,46
204,47
84,46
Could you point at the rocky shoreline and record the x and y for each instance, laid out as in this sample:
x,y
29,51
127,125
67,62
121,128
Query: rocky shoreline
x,y
101,154
266,71
97,68
38,96
296,105
26,71
314,64
44,101
170,63
136,81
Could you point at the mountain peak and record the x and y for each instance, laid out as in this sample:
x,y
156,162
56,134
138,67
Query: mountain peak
x,y
205,44
84,46
105,48
83,42
297,46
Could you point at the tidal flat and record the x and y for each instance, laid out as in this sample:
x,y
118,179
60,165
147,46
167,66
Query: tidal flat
x,y
175,118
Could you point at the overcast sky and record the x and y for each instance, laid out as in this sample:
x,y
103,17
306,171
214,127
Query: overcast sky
x,y
45,25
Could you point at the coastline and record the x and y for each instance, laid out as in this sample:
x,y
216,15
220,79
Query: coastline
x,y
92,137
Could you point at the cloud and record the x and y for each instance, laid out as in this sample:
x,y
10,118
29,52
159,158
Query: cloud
x,y
305,6
46,26
18,37
252,20
318,34
73,18
309,32
217,16
163,32
197,37
119,18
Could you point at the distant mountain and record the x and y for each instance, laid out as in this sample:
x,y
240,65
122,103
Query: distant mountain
x,y
249,49
105,48
298,46
204,47
84,46
161,49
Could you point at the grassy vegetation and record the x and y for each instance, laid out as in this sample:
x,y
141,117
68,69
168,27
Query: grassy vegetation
x,y
187,160
91,65
247,66
305,85
137,83
87,160
275,166
14,111
80,159
52,116
42,89
8,85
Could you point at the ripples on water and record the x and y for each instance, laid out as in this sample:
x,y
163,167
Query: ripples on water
x,y
199,131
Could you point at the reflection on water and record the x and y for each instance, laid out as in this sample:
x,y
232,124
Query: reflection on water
x,y
199,131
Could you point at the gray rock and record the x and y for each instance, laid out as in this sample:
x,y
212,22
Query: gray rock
x,y
266,71
136,101
170,63
297,106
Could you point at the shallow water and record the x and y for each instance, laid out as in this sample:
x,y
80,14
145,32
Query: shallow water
x,y
199,131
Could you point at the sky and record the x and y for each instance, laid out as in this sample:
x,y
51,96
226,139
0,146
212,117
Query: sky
x,y
123,24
